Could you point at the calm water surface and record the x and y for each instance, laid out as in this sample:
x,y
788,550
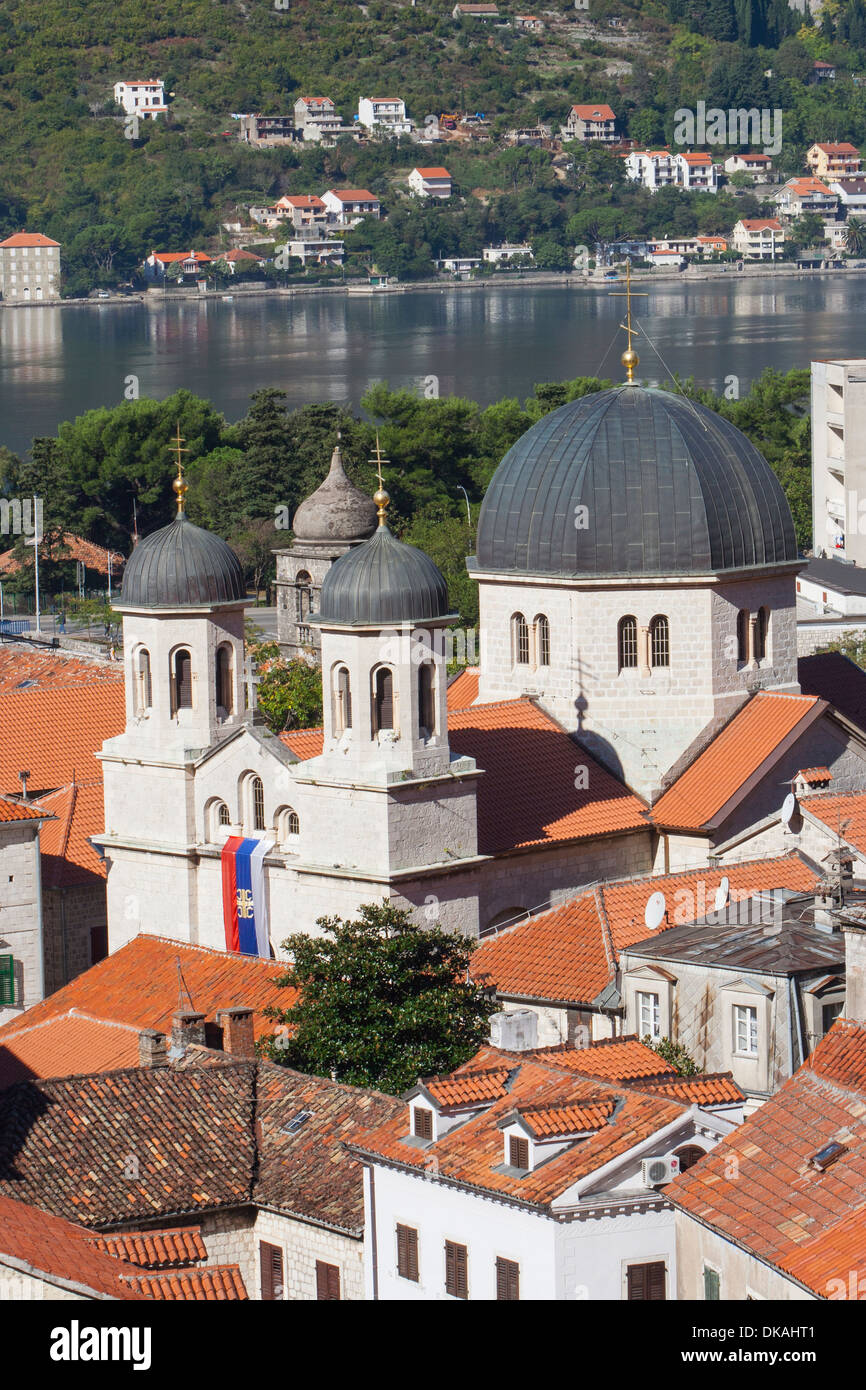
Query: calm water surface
x,y
56,363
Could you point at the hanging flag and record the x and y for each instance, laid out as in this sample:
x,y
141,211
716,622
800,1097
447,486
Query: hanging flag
x,y
245,915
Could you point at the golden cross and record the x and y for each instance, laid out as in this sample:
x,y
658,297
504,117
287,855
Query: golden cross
x,y
179,486
630,358
380,497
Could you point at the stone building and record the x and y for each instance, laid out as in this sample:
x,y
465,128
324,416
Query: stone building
x,y
22,969
336,517
29,268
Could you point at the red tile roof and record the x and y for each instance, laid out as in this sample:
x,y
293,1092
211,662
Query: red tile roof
x,y
712,1088
435,173
57,1249
167,1249
463,689
138,986
612,1059
842,148
200,257
781,1207
87,714
568,954
550,1121
745,747
760,224
14,810
353,195
594,113
527,795
71,547
218,1283
50,669
28,239
473,1152
68,857
469,1087
845,814
805,185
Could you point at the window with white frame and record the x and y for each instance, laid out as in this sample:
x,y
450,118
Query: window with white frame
x,y
746,1030
648,1014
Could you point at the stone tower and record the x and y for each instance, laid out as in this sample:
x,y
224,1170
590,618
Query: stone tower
x,y
336,517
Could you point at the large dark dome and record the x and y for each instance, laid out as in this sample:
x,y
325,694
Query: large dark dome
x,y
669,487
382,581
182,566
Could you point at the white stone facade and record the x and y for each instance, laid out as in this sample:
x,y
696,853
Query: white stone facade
x,y
21,913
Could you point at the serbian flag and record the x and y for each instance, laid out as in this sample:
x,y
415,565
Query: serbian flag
x,y
245,913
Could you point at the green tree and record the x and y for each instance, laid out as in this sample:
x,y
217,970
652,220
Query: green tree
x,y
289,692
380,1001
675,1054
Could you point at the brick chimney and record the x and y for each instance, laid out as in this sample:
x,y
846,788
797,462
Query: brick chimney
x,y
152,1048
238,1036
187,1027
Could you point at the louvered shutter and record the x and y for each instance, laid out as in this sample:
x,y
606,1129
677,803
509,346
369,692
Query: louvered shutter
x,y
507,1281
518,1152
646,1282
7,979
327,1281
407,1252
456,1281
271,1260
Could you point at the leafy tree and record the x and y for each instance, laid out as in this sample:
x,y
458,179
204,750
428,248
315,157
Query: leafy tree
x,y
674,1054
381,1001
855,237
289,693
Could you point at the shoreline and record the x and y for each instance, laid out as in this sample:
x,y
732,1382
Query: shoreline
x,y
530,280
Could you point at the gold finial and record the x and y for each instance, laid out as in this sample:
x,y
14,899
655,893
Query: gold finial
x,y
179,486
380,496
629,358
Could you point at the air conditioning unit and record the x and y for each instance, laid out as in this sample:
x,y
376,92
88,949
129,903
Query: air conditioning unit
x,y
657,1171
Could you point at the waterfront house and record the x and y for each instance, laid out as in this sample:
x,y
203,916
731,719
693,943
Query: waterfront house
x,y
757,238
803,195
347,206
158,264
29,268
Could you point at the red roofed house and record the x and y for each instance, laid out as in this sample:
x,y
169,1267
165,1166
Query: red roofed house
x,y
696,172
430,183
158,264
777,1210
302,210
803,195
239,261
346,206
759,165
590,124
529,1175
29,268
757,238
834,161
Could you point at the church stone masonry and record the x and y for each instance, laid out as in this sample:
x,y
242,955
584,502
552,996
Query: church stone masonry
x,y
638,631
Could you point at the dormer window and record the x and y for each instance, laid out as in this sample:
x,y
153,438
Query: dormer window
x,y
518,1152
422,1122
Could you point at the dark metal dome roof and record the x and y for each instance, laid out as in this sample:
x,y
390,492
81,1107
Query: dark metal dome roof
x,y
337,510
669,487
382,581
181,566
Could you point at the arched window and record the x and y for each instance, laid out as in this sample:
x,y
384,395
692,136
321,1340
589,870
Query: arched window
x,y
257,797
216,815
286,823
627,642
383,699
303,591
520,640
426,700
342,700
542,637
761,633
660,650
223,814
743,635
689,1155
224,679
182,680
144,693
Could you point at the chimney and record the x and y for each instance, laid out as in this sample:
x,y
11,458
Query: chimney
x,y
187,1027
238,1036
514,1030
152,1048
855,971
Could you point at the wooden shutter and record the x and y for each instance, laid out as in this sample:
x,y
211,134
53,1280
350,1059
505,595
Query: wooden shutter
x,y
507,1281
327,1281
518,1152
407,1252
7,979
384,699
711,1284
456,1272
646,1283
271,1260
422,1121
183,680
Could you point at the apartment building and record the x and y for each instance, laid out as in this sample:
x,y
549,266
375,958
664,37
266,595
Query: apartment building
x,y
143,99
839,161
800,196
384,116
29,268
591,123
757,238
839,458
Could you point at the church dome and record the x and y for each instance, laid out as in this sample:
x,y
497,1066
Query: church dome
x,y
633,481
337,510
182,566
382,582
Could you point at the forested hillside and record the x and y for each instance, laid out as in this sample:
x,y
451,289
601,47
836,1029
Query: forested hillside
x,y
69,171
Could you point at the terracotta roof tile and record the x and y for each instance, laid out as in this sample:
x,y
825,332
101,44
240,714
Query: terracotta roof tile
x,y
28,239
568,954
469,1087
70,1043
87,714
72,547
549,1121
746,742
613,1059
463,689
781,1207
179,1246
815,774
594,113
717,1088
216,1283
55,1247
840,812
68,857
50,669
14,810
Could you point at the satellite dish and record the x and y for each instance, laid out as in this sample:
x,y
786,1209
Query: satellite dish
x,y
654,911
722,894
789,806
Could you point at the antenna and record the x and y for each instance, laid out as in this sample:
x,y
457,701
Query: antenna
x,y
654,912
